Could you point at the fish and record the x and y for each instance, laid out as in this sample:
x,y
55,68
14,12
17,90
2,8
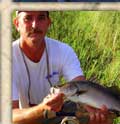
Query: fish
x,y
89,93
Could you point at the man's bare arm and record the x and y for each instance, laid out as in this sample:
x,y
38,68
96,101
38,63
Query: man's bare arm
x,y
79,78
28,115
34,115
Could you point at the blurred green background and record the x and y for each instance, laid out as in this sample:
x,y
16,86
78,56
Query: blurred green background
x,y
95,37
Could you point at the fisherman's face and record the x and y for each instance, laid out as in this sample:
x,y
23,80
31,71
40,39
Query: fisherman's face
x,y
32,25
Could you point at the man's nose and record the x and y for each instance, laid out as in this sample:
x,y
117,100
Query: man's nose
x,y
35,23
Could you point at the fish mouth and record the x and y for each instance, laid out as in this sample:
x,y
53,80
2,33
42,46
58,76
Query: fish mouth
x,y
54,90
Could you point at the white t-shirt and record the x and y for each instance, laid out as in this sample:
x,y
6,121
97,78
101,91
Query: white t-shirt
x,y
62,62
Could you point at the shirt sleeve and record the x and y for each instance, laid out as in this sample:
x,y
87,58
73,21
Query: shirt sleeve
x,y
71,64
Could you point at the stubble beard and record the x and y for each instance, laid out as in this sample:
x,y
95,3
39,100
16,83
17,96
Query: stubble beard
x,y
35,40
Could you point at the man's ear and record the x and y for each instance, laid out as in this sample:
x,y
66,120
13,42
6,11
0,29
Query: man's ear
x,y
16,23
49,22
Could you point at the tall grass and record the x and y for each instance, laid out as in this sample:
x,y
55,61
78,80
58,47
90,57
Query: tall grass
x,y
95,37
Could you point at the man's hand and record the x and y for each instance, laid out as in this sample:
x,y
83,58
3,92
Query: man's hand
x,y
98,116
53,102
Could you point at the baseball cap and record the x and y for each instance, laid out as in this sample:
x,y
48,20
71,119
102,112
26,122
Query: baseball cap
x,y
18,11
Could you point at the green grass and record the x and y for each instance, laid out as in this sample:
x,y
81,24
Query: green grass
x,y
95,37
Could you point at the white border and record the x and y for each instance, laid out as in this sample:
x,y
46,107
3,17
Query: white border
x,y
6,7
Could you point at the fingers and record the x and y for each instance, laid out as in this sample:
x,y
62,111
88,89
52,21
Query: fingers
x,y
54,102
103,118
104,109
57,106
90,108
98,116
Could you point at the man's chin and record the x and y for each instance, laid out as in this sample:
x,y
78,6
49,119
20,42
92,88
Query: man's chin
x,y
36,40
35,37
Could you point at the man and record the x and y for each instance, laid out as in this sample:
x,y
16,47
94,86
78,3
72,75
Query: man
x,y
38,62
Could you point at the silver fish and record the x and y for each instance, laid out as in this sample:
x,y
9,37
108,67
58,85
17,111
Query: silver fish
x,y
89,93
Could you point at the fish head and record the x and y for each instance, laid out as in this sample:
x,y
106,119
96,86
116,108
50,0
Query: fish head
x,y
69,89
65,89
54,90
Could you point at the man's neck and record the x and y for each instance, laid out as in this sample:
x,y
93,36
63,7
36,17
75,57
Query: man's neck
x,y
33,52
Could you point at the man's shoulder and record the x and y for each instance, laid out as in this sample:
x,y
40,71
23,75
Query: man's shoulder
x,y
15,43
15,47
